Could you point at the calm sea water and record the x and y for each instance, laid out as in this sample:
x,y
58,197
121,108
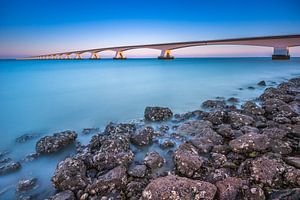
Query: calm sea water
x,y
48,96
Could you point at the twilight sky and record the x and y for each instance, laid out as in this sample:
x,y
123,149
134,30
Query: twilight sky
x,y
32,27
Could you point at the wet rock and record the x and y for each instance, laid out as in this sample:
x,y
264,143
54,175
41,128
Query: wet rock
x,y
275,133
218,117
187,160
119,129
251,108
249,142
238,120
24,185
50,144
109,160
218,175
164,128
31,157
262,83
267,170
231,188
280,147
287,194
167,144
275,93
26,137
214,104
225,130
9,167
115,179
64,195
293,161
292,176
193,127
70,174
249,129
218,159
87,131
153,160
135,189
174,187
138,171
157,114
143,137
251,88
233,100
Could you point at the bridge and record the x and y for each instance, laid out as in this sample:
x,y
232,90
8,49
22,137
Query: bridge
x,y
280,45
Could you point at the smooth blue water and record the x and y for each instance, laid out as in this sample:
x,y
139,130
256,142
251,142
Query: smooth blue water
x,y
48,96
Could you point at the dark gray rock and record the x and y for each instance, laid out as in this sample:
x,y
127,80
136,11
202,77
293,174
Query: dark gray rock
x,y
174,187
293,161
153,160
251,108
50,144
249,142
167,144
142,137
238,120
9,167
187,160
28,184
287,194
138,171
64,195
231,188
157,114
262,83
26,137
70,174
115,179
214,104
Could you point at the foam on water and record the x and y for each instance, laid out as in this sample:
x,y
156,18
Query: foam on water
x,y
48,96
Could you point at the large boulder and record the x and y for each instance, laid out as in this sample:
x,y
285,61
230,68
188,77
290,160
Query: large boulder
x,y
64,195
27,184
251,108
157,114
249,142
174,187
115,179
70,174
56,142
187,160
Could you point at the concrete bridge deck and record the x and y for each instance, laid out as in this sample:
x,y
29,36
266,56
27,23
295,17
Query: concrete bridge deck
x,y
280,44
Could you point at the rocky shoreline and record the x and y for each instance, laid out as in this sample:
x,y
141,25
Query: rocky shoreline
x,y
220,152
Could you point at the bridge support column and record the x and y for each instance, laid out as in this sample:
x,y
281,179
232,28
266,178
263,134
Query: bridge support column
x,y
281,53
68,56
165,55
119,55
94,56
78,56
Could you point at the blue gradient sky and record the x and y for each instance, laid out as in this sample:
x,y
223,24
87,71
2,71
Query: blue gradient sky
x,y
31,27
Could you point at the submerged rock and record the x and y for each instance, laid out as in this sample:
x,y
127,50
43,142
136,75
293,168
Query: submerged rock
x,y
50,144
26,137
9,167
174,187
157,114
24,185
262,83
287,194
